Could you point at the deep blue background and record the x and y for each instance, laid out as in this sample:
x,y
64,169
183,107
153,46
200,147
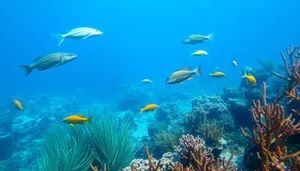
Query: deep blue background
x,y
141,40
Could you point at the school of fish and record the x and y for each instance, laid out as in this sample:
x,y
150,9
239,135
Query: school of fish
x,y
57,59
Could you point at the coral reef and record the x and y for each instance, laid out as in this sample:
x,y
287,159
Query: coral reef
x,y
166,140
211,132
195,156
167,111
272,129
154,128
239,109
133,98
293,77
207,108
166,163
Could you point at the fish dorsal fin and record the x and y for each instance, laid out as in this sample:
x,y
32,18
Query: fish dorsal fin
x,y
37,58
80,116
184,69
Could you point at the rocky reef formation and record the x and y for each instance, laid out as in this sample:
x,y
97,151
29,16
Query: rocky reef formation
x,y
134,98
20,132
205,108
167,111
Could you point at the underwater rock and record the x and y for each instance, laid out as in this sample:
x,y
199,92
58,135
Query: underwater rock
x,y
156,127
252,94
6,146
43,101
214,108
240,111
129,117
22,125
167,111
134,98
231,93
5,117
42,124
251,161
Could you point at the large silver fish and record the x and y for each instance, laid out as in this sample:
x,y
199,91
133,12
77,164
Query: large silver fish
x,y
77,33
49,61
181,75
197,38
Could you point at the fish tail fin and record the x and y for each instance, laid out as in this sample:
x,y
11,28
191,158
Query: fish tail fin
x,y
197,71
192,54
60,38
89,119
245,74
141,111
211,37
27,69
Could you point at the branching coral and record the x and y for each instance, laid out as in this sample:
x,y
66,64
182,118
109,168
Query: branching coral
x,y
194,149
211,132
293,75
271,131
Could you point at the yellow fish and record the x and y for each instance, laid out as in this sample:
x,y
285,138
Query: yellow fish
x,y
149,107
18,104
250,79
217,74
76,119
234,63
199,53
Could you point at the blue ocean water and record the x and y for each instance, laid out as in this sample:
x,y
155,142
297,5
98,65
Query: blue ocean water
x,y
141,39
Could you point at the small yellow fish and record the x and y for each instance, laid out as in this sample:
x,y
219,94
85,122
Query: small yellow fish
x,y
18,104
217,74
199,53
250,79
147,81
234,63
76,119
148,108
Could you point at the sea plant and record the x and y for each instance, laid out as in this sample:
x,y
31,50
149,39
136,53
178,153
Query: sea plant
x,y
59,152
111,141
211,132
166,140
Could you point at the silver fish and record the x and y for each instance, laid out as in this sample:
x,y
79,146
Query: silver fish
x,y
49,61
197,38
182,74
77,33
147,81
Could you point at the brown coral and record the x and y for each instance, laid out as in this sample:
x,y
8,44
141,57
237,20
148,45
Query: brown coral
x,y
271,131
293,76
